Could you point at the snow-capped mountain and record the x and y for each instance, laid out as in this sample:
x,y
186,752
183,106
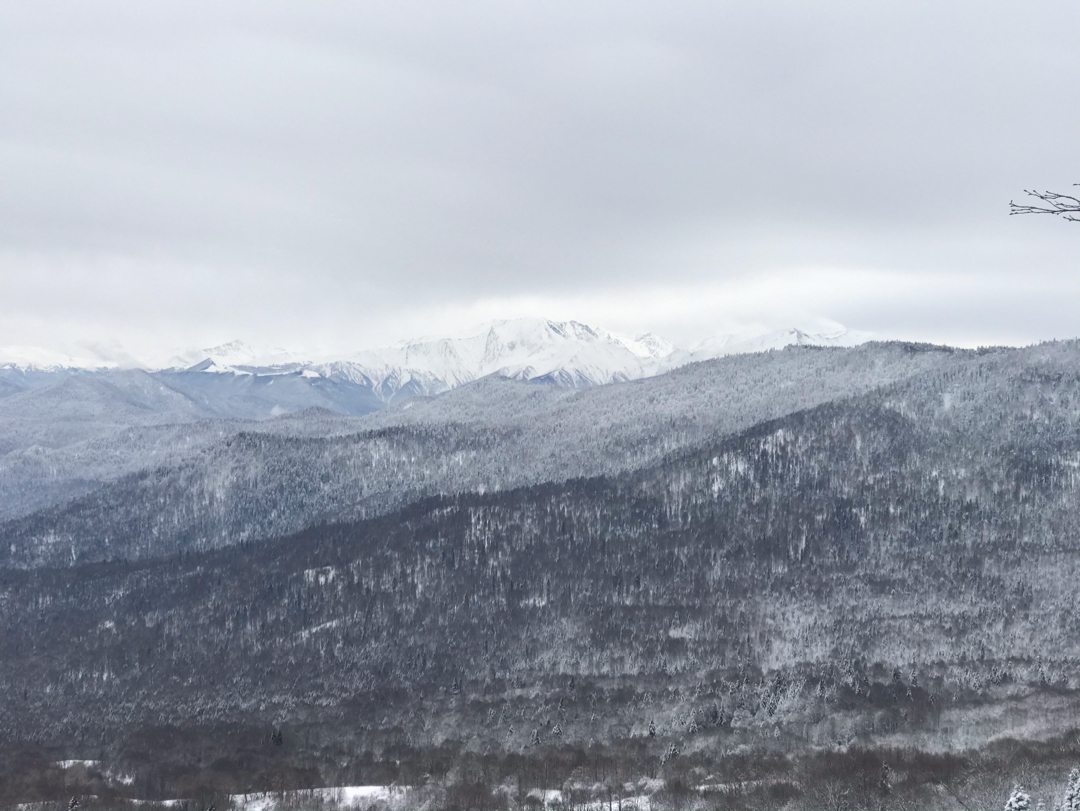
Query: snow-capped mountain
x,y
235,355
37,358
741,343
564,353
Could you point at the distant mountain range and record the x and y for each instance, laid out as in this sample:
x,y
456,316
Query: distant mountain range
x,y
564,353
67,424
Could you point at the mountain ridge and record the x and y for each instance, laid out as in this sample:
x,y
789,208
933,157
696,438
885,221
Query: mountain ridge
x,y
264,479
563,353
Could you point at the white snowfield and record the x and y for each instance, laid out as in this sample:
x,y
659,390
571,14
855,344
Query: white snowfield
x,y
632,797
566,353
343,798
339,797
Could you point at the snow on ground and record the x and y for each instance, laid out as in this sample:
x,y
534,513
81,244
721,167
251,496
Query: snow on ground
x,y
636,796
360,797
123,779
553,799
338,796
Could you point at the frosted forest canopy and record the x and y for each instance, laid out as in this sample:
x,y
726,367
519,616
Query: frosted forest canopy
x,y
809,578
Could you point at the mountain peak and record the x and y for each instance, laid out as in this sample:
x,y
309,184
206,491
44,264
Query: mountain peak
x,y
652,345
225,356
741,343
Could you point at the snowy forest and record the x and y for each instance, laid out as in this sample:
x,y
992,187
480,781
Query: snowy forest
x,y
815,578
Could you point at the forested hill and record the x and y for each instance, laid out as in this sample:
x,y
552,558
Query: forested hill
x,y
930,528
891,569
251,481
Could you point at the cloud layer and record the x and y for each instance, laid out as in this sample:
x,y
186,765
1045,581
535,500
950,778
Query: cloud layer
x,y
333,174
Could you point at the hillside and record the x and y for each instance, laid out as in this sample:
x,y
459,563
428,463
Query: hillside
x,y
222,482
892,570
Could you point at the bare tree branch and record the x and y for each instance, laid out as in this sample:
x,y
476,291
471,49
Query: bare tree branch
x,y
1064,205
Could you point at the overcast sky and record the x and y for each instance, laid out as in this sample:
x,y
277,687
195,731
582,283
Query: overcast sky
x,y
334,175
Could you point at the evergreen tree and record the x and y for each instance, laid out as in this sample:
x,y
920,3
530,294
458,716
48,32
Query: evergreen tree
x,y
673,752
1071,801
1019,800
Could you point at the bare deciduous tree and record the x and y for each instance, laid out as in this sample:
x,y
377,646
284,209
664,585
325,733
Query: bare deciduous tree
x,y
1064,205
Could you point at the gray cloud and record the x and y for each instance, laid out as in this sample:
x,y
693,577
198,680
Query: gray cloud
x,y
344,173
